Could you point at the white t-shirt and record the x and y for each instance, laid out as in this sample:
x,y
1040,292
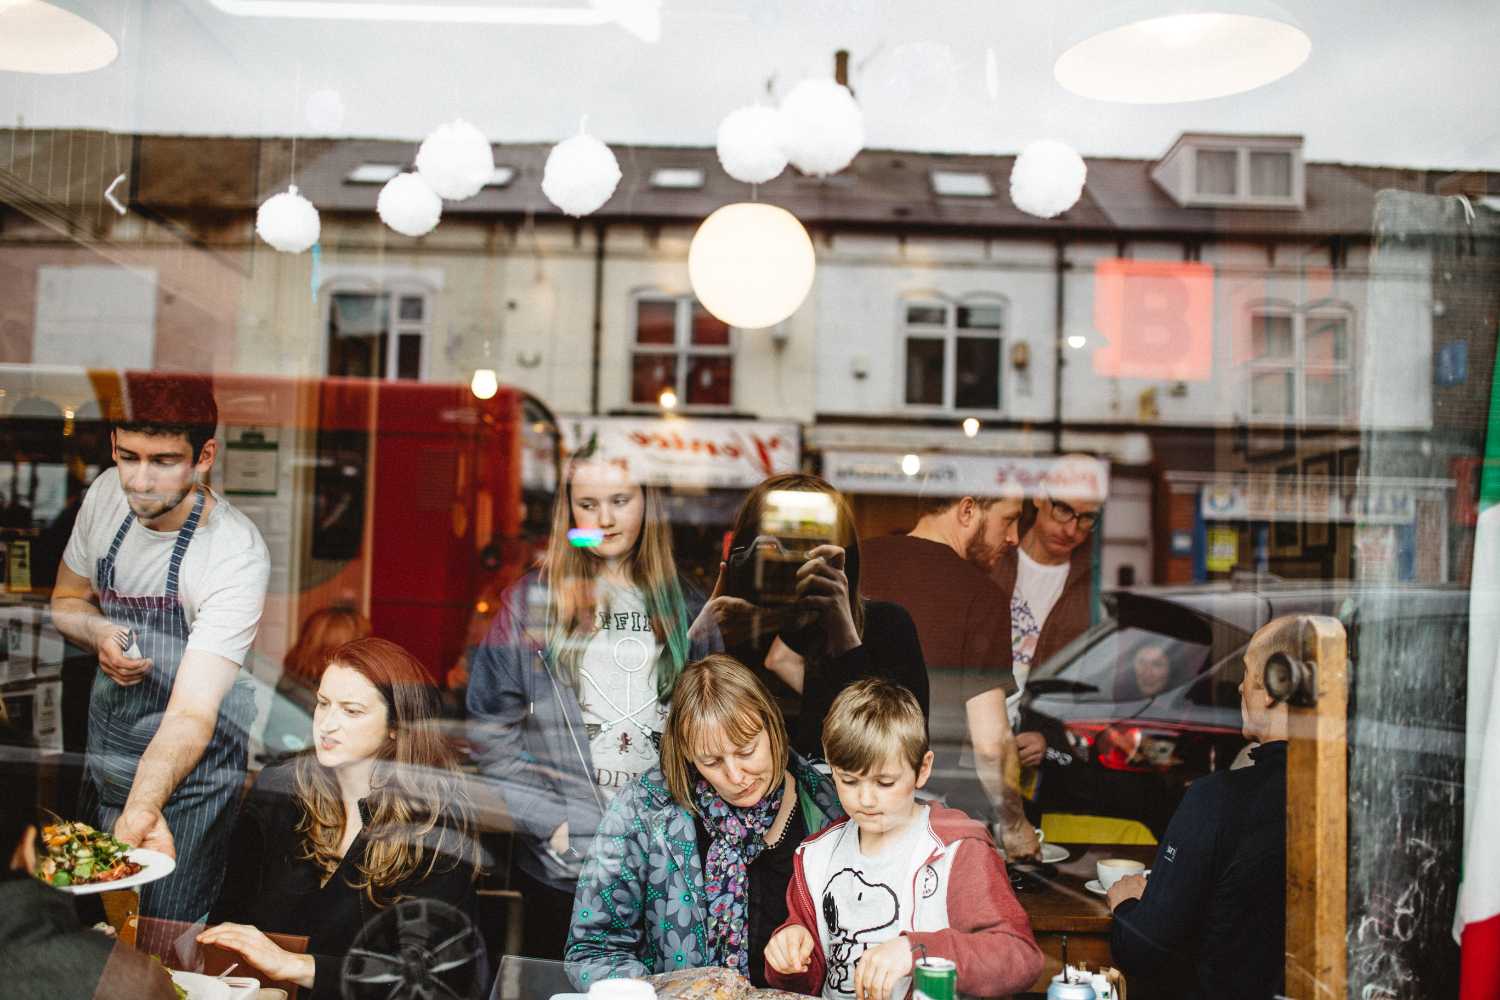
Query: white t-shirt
x,y
867,901
617,691
1037,589
222,584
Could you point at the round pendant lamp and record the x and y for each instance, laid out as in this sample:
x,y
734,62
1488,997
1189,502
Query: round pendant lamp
x,y
1171,51
751,265
64,36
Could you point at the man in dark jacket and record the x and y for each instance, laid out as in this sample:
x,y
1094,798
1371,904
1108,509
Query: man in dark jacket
x,y
1212,915
45,953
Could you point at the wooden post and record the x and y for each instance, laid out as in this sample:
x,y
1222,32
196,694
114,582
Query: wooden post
x,y
1317,822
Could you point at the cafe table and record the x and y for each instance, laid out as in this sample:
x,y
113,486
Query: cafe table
x,y
1059,906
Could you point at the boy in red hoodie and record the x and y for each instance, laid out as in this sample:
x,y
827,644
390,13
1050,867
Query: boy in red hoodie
x,y
896,877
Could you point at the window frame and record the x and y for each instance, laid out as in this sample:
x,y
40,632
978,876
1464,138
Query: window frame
x,y
395,327
950,333
1242,197
1299,365
682,349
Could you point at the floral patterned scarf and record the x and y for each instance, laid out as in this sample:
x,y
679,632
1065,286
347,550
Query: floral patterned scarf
x,y
739,835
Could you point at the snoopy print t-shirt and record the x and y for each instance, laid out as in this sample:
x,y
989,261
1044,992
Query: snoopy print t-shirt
x,y
870,899
617,691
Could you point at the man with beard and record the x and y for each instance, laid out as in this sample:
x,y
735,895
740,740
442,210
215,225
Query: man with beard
x,y
165,581
940,572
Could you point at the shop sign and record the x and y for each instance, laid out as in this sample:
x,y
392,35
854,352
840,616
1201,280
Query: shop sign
x,y
1282,500
728,454
959,475
1223,549
1157,318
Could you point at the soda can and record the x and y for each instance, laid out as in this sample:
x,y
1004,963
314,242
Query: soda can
x,y
935,979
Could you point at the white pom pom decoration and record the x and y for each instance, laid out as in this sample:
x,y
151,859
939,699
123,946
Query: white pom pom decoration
x,y
751,144
456,160
824,127
580,175
288,221
409,206
1047,179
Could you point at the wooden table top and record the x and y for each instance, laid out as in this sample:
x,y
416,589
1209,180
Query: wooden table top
x,y
1058,903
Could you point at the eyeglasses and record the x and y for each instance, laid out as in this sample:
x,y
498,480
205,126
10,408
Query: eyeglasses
x,y
1064,513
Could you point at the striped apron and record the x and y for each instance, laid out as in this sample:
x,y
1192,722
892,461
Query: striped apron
x,y
123,719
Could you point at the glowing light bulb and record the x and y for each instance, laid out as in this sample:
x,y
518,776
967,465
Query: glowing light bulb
x,y
668,399
971,427
484,384
1076,341
911,465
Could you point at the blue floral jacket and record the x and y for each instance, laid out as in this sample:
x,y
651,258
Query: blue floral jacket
x,y
640,907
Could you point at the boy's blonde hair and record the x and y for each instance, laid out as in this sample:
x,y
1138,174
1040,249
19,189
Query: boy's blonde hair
x,y
871,720
717,695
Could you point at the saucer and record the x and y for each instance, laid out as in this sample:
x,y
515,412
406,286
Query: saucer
x,y
1092,885
1054,854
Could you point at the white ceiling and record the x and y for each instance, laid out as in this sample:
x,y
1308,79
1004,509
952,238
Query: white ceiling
x,y
1388,82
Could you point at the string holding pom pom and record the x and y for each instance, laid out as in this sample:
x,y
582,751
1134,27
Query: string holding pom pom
x,y
1047,178
751,144
824,126
409,206
456,160
581,175
288,221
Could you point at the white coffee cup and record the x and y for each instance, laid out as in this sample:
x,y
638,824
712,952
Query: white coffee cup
x,y
1111,870
621,989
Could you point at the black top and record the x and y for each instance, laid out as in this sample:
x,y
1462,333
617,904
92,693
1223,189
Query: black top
x,y
1214,912
890,649
46,954
269,887
770,874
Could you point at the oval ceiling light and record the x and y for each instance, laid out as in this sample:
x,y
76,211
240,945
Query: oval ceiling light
x,y
1159,52
37,37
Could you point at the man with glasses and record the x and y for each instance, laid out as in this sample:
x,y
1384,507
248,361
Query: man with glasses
x,y
1049,576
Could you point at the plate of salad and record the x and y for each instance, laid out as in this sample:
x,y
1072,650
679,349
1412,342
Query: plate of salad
x,y
82,860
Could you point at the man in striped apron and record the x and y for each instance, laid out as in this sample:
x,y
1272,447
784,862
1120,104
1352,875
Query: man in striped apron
x,y
165,580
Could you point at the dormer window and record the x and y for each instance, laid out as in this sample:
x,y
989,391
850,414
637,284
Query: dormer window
x,y
1233,171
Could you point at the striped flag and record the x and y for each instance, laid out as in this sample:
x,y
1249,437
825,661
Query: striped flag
x,y
1476,924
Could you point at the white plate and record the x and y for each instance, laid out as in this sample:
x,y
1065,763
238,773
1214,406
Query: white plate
x,y
1053,854
1092,885
154,865
201,987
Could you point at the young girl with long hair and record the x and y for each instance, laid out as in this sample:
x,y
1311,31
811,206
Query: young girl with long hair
x,y
568,692
374,814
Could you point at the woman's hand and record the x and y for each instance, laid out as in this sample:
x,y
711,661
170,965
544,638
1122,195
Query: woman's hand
x,y
1030,748
559,839
734,618
881,967
263,953
790,950
785,664
822,584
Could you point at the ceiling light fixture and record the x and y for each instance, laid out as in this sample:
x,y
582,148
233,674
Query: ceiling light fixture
x,y
63,36
641,18
1171,51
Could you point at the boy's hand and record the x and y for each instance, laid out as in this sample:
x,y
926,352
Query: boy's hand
x,y
881,968
789,950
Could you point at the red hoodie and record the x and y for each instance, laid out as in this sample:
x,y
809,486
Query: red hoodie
x,y
976,922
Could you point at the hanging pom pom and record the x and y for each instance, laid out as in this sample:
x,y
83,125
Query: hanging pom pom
x,y
409,206
288,221
1047,179
456,160
580,175
824,127
750,145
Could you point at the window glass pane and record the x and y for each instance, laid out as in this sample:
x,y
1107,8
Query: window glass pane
x,y
1271,175
409,356
1272,394
1216,171
650,374
979,317
1271,337
354,312
655,322
709,330
978,373
1126,662
1328,341
710,380
1327,395
926,315
359,356
924,371
411,307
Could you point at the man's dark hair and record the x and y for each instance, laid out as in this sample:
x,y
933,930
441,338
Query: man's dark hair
x,y
168,405
18,790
